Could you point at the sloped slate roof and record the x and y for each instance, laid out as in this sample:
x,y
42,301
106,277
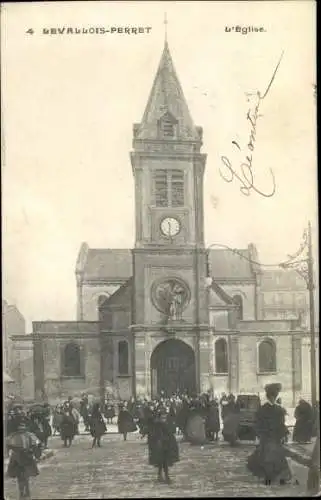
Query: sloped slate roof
x,y
108,264
229,265
167,96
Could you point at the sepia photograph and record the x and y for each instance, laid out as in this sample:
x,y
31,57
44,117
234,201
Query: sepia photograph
x,y
160,274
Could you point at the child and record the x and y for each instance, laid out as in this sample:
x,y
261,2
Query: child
x,y
22,464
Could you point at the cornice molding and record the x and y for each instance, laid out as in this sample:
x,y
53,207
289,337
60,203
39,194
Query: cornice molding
x,y
234,281
104,281
170,155
179,327
217,333
164,250
59,335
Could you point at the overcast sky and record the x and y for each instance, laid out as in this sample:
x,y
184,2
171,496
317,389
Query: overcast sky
x,y
69,104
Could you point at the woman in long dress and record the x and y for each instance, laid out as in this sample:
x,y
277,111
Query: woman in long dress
x,y
125,421
269,459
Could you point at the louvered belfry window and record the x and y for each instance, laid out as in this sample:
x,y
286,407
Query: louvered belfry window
x,y
161,188
167,127
169,188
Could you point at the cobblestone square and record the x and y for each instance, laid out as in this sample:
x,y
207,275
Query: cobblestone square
x,y
120,469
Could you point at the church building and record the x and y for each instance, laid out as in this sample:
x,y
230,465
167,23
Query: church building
x,y
168,314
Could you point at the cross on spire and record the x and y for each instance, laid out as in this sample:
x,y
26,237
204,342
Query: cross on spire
x,y
165,25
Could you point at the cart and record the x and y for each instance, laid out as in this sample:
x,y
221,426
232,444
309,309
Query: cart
x,y
248,405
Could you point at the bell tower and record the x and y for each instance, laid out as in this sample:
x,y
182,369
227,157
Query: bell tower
x,y
168,167
169,258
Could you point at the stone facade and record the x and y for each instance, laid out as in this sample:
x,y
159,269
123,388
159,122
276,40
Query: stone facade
x,y
169,311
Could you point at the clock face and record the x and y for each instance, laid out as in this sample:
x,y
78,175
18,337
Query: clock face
x,y
170,226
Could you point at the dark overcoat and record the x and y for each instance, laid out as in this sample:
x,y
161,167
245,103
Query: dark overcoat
x,y
97,425
269,458
213,418
67,427
303,428
125,422
162,445
109,411
22,460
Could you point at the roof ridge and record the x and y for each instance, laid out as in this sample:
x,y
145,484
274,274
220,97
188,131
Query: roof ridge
x,y
108,249
119,290
222,294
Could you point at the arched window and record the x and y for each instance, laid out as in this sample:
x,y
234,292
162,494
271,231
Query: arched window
x,y
71,361
221,358
123,357
237,299
267,356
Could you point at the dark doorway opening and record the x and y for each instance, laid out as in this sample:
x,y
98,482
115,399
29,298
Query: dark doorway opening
x,y
173,368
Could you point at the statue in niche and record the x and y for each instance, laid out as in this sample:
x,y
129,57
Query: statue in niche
x,y
171,297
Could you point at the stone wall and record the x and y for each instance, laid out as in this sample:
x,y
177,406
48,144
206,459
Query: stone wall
x,y
52,337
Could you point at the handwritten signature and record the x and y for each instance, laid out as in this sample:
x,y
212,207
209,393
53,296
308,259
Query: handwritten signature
x,y
246,175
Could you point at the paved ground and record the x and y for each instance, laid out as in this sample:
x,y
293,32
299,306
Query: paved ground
x,y
119,469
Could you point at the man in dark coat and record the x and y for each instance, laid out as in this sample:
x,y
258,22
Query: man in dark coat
x,y
212,423
67,426
97,425
182,417
303,427
22,463
269,459
125,421
162,445
145,419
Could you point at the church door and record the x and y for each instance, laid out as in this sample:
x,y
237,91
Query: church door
x,y
173,368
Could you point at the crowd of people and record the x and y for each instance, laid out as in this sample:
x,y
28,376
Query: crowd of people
x,y
196,418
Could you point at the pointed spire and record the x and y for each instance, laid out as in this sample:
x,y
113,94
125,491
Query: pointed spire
x,y
167,97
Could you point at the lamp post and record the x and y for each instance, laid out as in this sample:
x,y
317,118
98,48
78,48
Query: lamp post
x,y
310,286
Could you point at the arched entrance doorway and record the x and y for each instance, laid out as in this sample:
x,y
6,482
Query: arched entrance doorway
x,y
173,368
